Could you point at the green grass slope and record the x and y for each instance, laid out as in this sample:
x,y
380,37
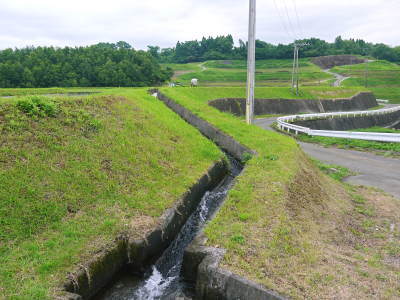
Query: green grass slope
x,y
74,173
383,78
272,72
290,228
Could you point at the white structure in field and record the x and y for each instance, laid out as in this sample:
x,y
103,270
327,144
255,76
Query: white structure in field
x,y
194,82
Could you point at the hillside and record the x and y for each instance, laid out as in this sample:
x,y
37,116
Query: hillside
x,y
233,73
382,77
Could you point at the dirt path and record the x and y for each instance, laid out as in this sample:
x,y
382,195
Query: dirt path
x,y
372,170
202,66
339,78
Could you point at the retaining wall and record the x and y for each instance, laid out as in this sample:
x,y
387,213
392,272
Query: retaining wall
x,y
343,124
237,106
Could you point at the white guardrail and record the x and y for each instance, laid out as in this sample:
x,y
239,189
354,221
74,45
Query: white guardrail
x,y
285,123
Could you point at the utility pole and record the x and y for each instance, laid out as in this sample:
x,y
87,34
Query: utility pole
x,y
296,68
297,72
251,62
366,72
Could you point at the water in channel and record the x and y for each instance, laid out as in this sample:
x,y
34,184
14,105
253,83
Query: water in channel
x,y
163,280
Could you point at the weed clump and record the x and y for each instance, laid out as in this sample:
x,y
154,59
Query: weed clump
x,y
38,106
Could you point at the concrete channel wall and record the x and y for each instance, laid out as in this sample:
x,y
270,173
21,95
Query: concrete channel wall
x,y
201,264
237,106
89,279
343,124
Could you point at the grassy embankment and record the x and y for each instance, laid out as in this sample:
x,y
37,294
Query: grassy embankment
x,y
75,173
233,72
290,228
383,78
380,147
35,91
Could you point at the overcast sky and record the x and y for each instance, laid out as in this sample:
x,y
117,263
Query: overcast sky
x,y
164,22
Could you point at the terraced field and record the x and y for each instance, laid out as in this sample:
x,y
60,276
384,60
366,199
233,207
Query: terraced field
x,y
233,73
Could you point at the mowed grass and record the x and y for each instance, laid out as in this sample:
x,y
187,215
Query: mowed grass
x,y
388,93
75,173
380,74
290,228
386,148
268,72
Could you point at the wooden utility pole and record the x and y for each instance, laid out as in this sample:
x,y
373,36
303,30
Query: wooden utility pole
x,y
251,62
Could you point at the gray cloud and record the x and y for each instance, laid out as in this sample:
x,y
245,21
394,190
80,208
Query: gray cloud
x,y
156,22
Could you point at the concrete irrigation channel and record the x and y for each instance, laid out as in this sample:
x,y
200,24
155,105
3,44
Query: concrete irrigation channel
x,y
172,262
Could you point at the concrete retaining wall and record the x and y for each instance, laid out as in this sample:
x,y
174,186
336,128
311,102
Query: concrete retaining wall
x,y
327,62
361,101
343,124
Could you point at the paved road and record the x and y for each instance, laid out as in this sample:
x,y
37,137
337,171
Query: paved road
x,y
372,170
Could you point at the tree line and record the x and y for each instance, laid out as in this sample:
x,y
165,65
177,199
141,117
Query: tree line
x,y
103,64
223,47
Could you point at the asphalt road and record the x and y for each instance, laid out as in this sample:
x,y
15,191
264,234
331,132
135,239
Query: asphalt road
x,y
372,170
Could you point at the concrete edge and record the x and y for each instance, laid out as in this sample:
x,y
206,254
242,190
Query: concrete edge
x,y
95,274
236,106
223,140
201,266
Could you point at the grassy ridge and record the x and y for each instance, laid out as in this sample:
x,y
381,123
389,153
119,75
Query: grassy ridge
x,y
72,181
290,228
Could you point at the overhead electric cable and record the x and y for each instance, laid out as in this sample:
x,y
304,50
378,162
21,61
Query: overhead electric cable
x,y
289,20
298,19
283,22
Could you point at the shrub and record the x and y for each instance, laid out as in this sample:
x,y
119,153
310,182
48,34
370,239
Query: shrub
x,y
39,106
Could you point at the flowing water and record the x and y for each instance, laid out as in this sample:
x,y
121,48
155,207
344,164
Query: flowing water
x,y
163,280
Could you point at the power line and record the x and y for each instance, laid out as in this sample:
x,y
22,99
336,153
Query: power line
x,y
283,22
297,17
289,20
